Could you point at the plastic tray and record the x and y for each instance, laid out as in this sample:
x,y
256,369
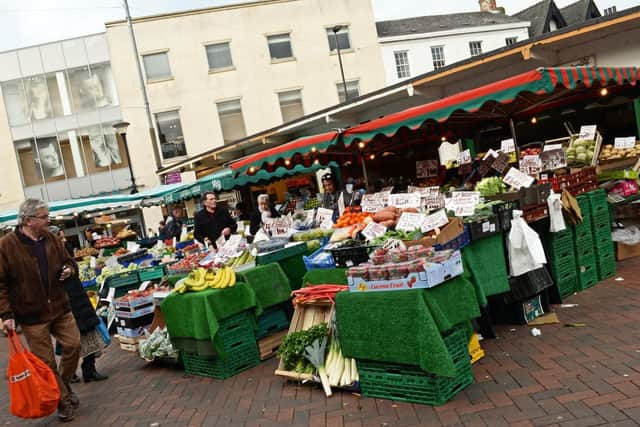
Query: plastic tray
x,y
527,285
504,212
484,228
349,257
242,358
151,273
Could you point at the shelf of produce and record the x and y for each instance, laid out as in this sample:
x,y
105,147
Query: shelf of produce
x,y
617,164
304,317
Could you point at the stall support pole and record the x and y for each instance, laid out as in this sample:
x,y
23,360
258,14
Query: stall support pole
x,y
364,172
512,127
636,109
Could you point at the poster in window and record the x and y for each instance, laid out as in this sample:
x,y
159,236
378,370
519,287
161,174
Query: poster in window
x,y
49,158
105,149
37,98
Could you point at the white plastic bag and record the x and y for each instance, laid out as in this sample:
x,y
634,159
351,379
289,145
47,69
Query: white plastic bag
x,y
628,236
555,213
524,246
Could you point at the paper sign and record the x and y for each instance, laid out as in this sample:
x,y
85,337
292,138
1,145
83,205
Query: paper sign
x,y
588,132
311,213
410,221
507,145
132,246
371,203
324,216
463,196
222,240
373,230
386,190
435,220
426,168
626,142
405,200
517,179
463,203
551,147
434,199
531,165
279,228
464,157
553,159
464,210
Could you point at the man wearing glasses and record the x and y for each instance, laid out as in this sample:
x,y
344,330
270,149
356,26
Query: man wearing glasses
x,y
33,268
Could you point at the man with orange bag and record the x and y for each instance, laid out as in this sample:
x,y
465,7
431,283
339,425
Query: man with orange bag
x,y
33,267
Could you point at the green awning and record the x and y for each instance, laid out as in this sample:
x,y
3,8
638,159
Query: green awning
x,y
279,173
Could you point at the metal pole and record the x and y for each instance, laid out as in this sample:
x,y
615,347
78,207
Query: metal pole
x,y
344,82
134,187
143,88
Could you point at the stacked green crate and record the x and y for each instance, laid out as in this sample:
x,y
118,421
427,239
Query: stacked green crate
x,y
601,229
583,245
562,261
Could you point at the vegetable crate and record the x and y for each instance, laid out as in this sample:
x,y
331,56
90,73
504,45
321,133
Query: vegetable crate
x,y
563,270
484,228
585,207
587,273
576,183
243,357
560,245
151,273
533,213
320,259
457,243
270,344
598,201
568,286
349,257
272,320
410,384
304,317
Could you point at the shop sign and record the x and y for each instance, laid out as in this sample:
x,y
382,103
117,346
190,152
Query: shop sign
x,y
373,230
173,178
531,165
279,227
517,179
622,143
507,145
435,220
372,203
410,221
405,200
588,133
426,168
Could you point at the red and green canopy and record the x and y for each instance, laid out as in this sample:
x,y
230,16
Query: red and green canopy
x,y
525,88
274,158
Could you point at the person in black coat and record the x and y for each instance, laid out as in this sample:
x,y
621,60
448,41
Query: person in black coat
x,y
86,319
173,227
213,221
265,210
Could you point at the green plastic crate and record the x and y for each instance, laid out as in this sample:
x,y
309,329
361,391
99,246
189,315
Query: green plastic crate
x,y
411,384
236,330
568,286
563,269
560,245
129,277
587,273
606,269
151,273
600,220
585,207
584,250
242,358
271,321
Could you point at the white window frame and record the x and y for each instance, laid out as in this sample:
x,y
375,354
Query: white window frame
x,y
403,67
223,68
283,34
345,29
475,47
223,114
157,123
438,58
285,92
339,87
146,71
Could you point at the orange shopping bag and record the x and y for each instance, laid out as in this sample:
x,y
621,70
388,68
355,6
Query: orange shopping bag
x,y
33,388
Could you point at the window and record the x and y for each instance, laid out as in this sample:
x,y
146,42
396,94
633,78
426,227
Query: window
x,y
81,88
231,121
475,48
402,64
37,97
280,46
156,66
170,134
339,38
353,90
511,40
437,55
219,56
290,105
15,102
101,149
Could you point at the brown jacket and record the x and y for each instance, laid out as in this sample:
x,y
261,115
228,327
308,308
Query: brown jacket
x,y
22,293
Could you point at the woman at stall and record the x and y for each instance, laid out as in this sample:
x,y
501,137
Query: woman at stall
x,y
86,319
265,210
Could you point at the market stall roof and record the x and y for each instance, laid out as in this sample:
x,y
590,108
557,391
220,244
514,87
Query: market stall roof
x,y
90,204
269,158
221,180
515,95
281,172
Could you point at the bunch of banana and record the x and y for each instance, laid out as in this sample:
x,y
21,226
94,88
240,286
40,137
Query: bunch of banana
x,y
243,259
225,277
195,281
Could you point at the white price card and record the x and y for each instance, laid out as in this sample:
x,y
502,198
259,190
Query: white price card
x,y
279,228
464,210
372,203
373,230
517,179
531,164
463,203
551,147
324,216
404,200
626,142
588,132
435,220
465,196
507,145
464,157
410,221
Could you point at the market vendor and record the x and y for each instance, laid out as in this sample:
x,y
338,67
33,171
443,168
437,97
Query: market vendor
x,y
350,195
213,221
173,227
331,193
265,210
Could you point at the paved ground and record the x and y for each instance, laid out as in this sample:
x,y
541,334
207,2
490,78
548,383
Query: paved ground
x,y
566,377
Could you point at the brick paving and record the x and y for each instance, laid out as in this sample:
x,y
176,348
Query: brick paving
x,y
581,377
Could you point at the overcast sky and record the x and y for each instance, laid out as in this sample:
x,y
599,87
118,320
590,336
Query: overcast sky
x,y
29,22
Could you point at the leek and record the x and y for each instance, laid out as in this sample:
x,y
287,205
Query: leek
x,y
354,371
315,354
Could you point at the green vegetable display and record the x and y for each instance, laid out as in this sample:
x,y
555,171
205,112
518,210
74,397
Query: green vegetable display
x,y
292,349
395,234
491,186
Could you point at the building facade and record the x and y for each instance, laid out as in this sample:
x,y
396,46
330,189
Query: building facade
x,y
415,46
60,102
216,75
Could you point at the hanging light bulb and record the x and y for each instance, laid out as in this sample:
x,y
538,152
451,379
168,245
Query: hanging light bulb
x,y
313,149
604,91
287,162
316,162
361,144
372,157
444,138
534,120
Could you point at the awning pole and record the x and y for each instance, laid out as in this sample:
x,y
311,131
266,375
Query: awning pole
x,y
515,140
364,172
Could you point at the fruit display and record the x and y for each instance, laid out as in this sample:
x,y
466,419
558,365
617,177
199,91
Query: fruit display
x,y
312,203
609,152
157,344
192,247
85,252
201,279
352,216
106,242
390,215
188,263
244,258
126,233
110,271
532,151
130,257
121,251
85,272
581,152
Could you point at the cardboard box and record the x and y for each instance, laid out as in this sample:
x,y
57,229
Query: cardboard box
x,y
448,233
138,322
135,313
434,274
133,303
627,251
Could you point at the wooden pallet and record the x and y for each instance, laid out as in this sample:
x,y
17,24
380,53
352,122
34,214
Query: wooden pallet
x,y
128,340
129,347
268,345
304,317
